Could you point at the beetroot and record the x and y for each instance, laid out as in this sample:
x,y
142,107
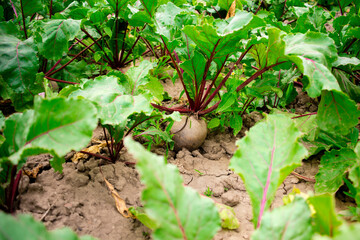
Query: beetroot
x,y
189,133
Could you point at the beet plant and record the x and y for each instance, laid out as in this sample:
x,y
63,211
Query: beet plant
x,y
123,103
43,129
65,42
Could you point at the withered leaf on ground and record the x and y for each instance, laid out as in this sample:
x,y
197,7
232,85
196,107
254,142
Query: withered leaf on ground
x,y
120,203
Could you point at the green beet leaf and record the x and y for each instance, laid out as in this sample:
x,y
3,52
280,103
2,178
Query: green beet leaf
x,y
24,227
224,35
312,20
118,5
292,221
56,36
325,219
113,101
337,113
332,169
118,111
28,7
140,215
265,157
18,67
347,86
179,212
146,16
101,90
56,126
343,61
354,174
16,130
166,26
137,76
313,53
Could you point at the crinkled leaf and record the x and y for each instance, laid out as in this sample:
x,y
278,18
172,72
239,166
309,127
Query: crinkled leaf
x,y
228,217
58,126
56,36
312,20
118,111
337,113
313,53
101,90
113,102
179,212
165,20
333,167
24,227
291,221
275,152
343,61
18,67
325,218
328,140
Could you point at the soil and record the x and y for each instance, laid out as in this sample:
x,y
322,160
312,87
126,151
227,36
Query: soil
x,y
78,197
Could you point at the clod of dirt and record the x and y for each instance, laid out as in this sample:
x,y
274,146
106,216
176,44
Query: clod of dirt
x,y
231,198
189,133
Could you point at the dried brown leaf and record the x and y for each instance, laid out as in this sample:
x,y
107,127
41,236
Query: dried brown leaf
x,y
95,149
32,173
231,11
119,202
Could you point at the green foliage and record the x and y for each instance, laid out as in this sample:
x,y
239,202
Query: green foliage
x,y
53,37
337,113
178,212
292,221
45,130
325,219
313,53
276,152
332,169
25,227
18,67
